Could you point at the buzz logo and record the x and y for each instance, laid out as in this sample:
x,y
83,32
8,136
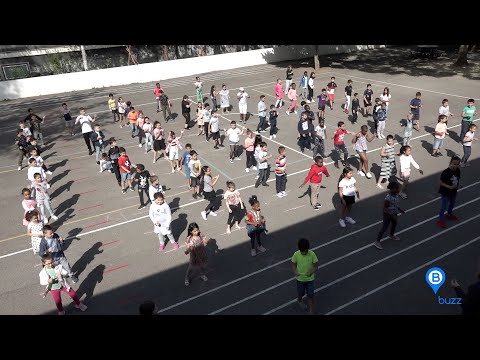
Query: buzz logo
x,y
435,277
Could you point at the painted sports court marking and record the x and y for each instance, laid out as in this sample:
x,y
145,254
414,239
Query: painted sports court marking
x,y
90,207
338,259
402,276
194,202
117,268
288,259
109,243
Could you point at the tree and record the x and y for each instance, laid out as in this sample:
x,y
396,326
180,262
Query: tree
x,y
316,59
165,52
462,56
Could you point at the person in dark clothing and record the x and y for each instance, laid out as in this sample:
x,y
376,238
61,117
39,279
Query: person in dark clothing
x,y
113,154
305,131
471,300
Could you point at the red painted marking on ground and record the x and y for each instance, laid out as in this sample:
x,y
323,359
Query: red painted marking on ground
x,y
100,223
86,192
90,207
117,268
108,243
86,177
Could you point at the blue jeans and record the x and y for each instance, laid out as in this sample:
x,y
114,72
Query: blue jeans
x,y
467,151
98,151
447,200
305,287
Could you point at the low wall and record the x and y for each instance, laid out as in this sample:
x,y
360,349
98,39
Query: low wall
x,y
53,84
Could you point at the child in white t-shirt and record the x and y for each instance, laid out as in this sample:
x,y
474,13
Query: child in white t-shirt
x,y
347,191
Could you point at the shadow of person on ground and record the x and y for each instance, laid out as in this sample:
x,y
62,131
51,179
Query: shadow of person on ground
x,y
57,165
174,204
58,177
61,189
88,284
72,235
87,258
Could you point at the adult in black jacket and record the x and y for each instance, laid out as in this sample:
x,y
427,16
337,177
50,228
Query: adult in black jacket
x,y
471,300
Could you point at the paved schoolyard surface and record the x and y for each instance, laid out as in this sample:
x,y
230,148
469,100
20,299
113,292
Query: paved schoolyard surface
x,y
112,247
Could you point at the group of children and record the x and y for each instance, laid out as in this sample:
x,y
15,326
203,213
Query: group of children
x,y
202,182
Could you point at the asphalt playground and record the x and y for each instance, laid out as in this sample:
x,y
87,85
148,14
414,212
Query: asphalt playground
x,y
113,250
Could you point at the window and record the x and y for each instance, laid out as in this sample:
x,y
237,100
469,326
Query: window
x,y
16,71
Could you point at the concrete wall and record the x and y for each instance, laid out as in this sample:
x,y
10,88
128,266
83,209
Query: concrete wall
x,y
157,71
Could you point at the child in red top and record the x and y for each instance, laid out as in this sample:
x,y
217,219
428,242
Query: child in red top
x,y
339,142
124,165
315,178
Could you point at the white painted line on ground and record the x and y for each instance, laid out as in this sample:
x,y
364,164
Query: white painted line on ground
x,y
298,207
402,276
383,259
288,259
370,81
243,188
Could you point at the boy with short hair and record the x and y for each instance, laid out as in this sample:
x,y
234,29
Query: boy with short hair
x,y
214,129
185,160
304,266
195,166
262,165
96,137
124,165
142,176
322,102
367,100
415,105
21,142
112,105
339,142
355,107
315,178
51,243
348,95
467,117
281,172
65,111
33,169
113,155
42,198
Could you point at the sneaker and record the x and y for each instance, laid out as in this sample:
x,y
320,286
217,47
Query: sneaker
x,y
316,207
361,173
139,145
54,218
256,177
194,196
216,147
280,195
265,185
380,186
204,215
270,137
19,168
253,252
288,112
344,163
368,175
378,245
131,188
295,112
141,207
175,245
254,168
452,217
82,306
204,278
124,191
261,249
45,221
187,282
247,170
173,170
342,223
350,220
284,193
74,279
318,204
394,237
231,161
403,195
61,312
238,158
441,223
302,305
48,172
462,165
162,247
274,136
229,231
213,213
312,101
308,101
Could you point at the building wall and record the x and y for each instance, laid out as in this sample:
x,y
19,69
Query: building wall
x,y
155,70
